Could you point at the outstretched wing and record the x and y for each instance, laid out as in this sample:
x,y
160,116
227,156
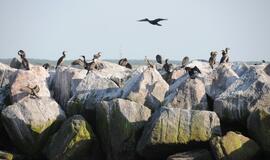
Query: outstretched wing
x,y
197,69
143,20
159,19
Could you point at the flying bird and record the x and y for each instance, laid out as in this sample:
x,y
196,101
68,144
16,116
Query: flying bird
x,y
153,22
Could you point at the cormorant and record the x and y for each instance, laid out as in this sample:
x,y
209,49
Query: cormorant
x,y
225,57
25,63
193,71
129,66
78,62
159,59
153,22
185,61
150,65
46,65
33,91
96,56
124,62
61,59
168,67
212,59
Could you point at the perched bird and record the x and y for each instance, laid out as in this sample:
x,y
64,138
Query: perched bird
x,y
168,67
225,57
96,56
185,61
46,65
150,65
159,59
124,62
193,71
212,59
78,62
153,22
25,63
61,59
33,91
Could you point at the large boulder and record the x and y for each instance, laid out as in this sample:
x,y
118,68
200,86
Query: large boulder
x,y
190,94
119,124
22,78
147,88
201,154
6,73
174,130
234,146
240,68
258,125
236,103
65,81
225,76
30,122
74,140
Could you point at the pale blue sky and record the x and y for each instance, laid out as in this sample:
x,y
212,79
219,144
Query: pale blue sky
x,y
195,27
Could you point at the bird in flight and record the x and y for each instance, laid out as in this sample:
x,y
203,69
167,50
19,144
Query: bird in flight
x,y
153,22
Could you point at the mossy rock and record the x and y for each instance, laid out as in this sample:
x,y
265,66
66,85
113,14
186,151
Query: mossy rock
x,y
234,146
74,139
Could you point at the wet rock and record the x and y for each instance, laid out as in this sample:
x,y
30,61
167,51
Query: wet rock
x,y
174,130
234,146
190,94
258,125
30,122
74,140
236,103
147,88
202,154
119,124
225,76
36,76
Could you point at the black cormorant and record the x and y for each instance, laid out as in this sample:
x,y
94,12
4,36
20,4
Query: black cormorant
x,y
153,22
61,59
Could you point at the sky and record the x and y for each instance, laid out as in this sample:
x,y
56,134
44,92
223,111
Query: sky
x,y
43,29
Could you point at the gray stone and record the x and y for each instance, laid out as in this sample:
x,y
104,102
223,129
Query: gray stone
x,y
234,146
74,140
236,103
147,88
30,122
119,122
202,154
172,130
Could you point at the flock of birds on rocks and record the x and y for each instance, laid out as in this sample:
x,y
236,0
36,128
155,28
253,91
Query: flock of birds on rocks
x,y
94,64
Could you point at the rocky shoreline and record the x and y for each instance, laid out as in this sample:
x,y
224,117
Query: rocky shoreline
x,y
121,114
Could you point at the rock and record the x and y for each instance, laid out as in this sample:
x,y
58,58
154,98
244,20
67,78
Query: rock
x,y
202,154
236,103
75,139
207,74
30,122
4,97
65,81
240,68
36,76
177,73
267,69
174,130
119,124
234,146
258,125
190,94
6,73
147,88
92,90
16,63
225,76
